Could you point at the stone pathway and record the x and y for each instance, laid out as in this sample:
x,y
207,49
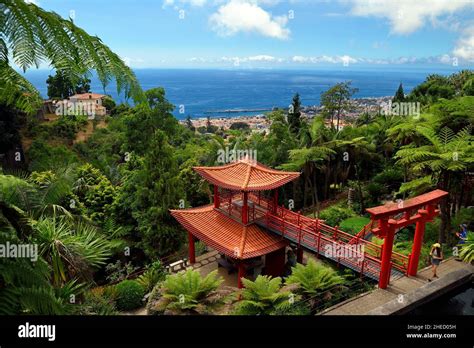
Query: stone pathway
x,y
406,292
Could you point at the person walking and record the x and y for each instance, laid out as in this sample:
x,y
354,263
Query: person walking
x,y
436,257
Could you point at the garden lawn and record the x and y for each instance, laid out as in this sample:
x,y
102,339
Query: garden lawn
x,y
354,224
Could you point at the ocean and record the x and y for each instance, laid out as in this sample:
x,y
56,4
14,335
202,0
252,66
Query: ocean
x,y
200,93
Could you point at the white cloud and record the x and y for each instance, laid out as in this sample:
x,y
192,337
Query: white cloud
x,y
445,59
325,59
197,3
262,58
133,61
197,60
247,16
267,60
407,16
465,45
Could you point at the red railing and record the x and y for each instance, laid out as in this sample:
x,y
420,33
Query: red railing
x,y
331,246
313,234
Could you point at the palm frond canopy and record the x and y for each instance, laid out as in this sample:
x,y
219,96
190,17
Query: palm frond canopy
x,y
31,36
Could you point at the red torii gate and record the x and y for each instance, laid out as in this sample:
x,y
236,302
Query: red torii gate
x,y
419,210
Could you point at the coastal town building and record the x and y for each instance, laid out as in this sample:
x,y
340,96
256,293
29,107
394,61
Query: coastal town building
x,y
91,100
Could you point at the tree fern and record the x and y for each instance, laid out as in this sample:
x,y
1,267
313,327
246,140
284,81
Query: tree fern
x,y
190,293
264,296
314,278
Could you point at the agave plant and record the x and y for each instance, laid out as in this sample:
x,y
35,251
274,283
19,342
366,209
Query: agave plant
x,y
265,296
189,293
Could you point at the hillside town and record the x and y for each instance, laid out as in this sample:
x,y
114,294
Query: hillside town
x,y
261,123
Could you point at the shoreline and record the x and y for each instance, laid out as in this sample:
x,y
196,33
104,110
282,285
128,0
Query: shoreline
x,y
261,122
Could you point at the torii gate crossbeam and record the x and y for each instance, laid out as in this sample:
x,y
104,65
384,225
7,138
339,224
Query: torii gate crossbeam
x,y
418,210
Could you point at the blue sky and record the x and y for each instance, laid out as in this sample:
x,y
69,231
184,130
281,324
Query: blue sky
x,y
277,33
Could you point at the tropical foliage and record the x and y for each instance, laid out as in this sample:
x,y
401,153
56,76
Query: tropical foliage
x,y
466,252
31,36
264,296
189,293
96,203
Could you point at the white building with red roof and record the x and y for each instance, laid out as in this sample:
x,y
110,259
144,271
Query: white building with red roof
x,y
89,101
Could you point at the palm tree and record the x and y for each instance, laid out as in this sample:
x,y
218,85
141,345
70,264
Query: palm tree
x,y
38,200
25,286
264,296
310,159
67,251
31,36
442,159
190,293
71,250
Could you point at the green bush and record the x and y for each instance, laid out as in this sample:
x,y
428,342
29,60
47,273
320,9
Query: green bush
x,y
96,192
129,295
335,214
375,191
68,126
43,157
390,178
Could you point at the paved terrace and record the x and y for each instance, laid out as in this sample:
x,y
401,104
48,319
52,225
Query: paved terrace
x,y
406,293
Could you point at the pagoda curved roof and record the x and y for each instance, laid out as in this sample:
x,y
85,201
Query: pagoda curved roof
x,y
245,175
226,235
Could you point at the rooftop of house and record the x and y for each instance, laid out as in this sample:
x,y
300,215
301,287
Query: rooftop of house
x,y
87,96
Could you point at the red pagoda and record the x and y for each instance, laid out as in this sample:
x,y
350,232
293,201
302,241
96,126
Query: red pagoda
x,y
229,224
245,224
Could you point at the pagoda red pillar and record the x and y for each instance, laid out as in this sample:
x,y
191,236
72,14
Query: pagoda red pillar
x,y
386,264
299,254
275,201
192,253
217,201
417,243
245,214
275,263
241,275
